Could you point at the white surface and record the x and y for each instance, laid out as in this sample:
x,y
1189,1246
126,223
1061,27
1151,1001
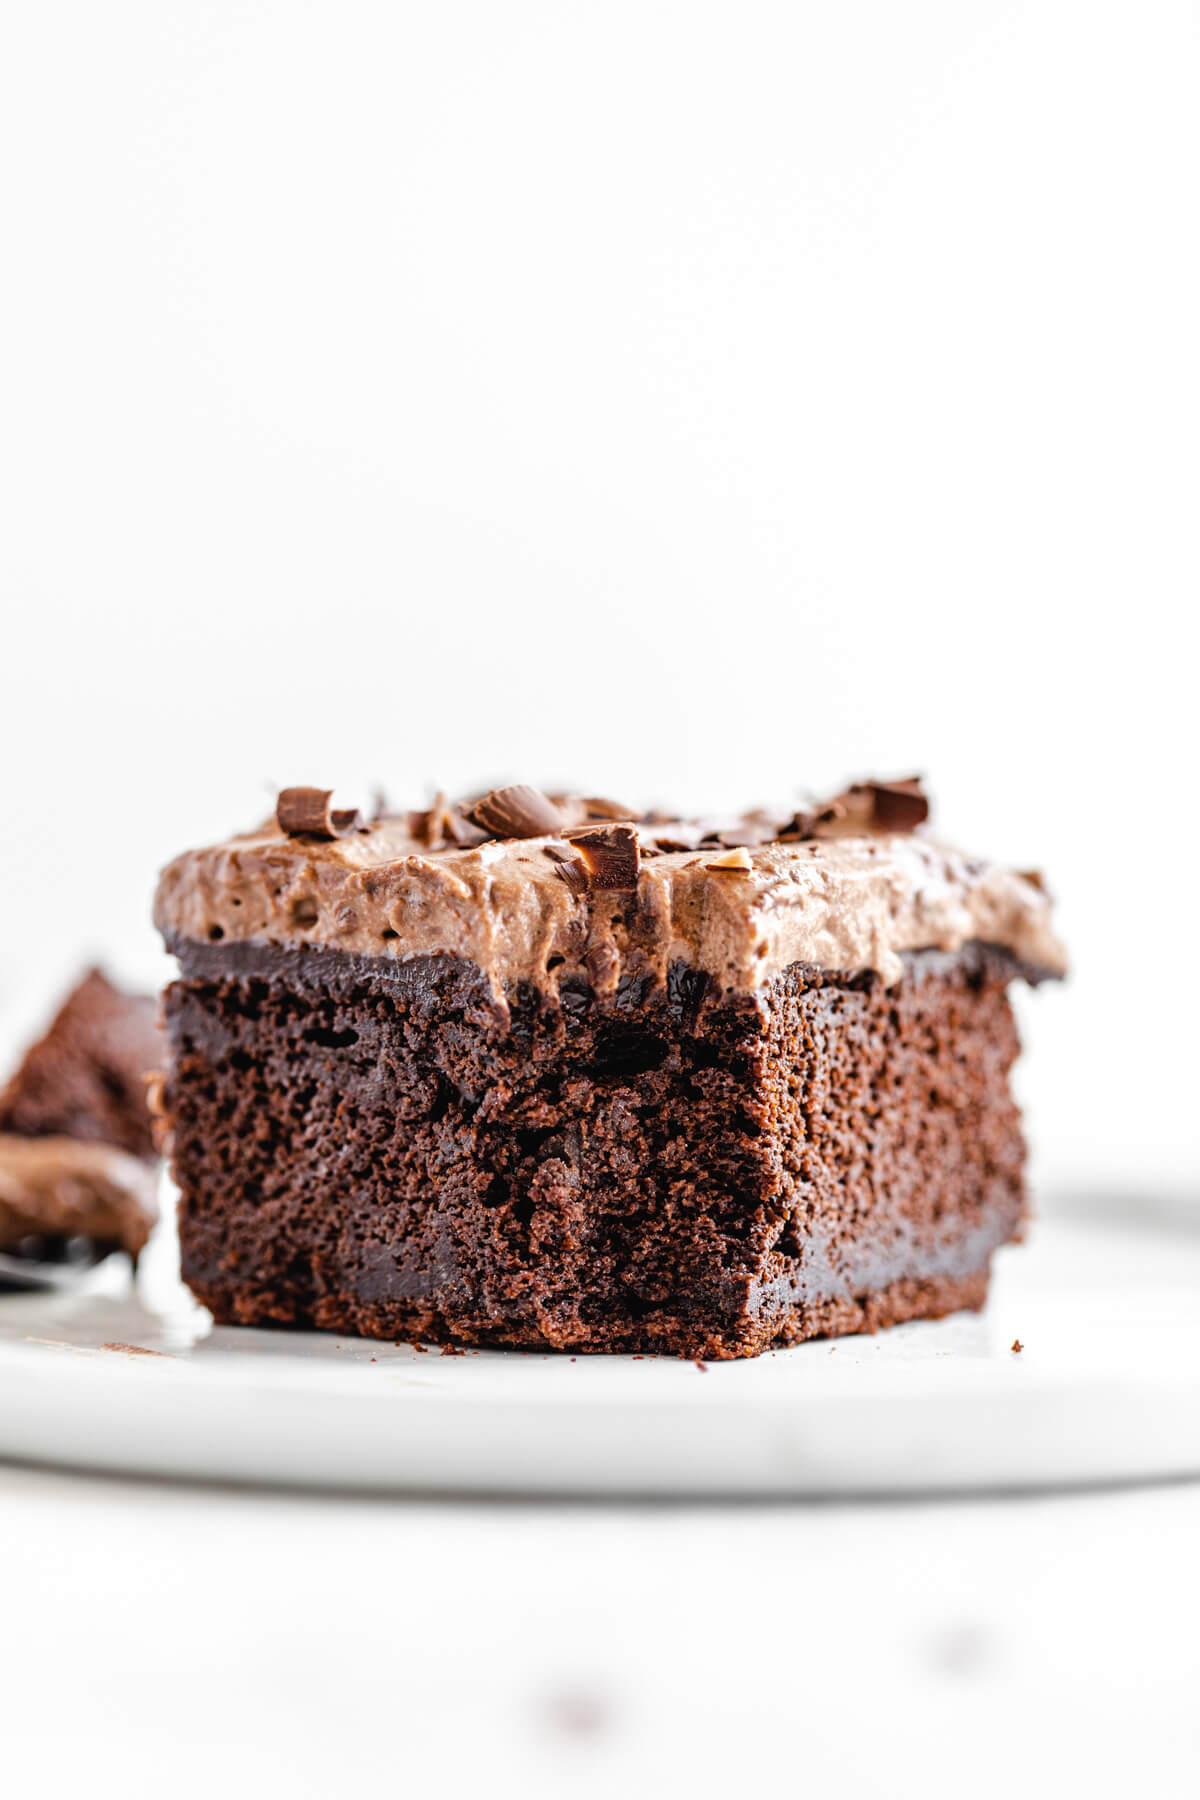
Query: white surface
x,y
167,1643
685,400
1106,1388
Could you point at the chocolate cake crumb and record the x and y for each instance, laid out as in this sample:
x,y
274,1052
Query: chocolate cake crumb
x,y
1017,1346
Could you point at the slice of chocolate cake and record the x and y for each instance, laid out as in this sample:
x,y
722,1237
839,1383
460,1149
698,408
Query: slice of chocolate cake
x,y
86,1076
77,1150
538,1073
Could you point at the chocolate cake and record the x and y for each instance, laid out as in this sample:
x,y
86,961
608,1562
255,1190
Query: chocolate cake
x,y
85,1077
77,1152
535,1072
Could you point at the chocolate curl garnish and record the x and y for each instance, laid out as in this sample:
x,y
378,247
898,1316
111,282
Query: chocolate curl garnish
x,y
899,805
589,809
804,825
517,812
442,825
611,855
661,844
866,806
596,807
571,869
747,833
307,812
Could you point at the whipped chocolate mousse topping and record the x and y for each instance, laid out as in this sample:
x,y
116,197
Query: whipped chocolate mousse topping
x,y
848,885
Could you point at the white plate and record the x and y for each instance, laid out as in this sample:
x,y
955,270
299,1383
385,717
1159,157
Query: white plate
x,y
1106,1388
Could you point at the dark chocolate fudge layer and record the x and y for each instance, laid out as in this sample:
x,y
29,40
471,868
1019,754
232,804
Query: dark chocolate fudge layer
x,y
630,1119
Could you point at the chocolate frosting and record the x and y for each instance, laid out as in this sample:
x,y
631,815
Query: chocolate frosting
x,y
64,1187
852,900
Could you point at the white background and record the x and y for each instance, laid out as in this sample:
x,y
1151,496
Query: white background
x,y
689,402
182,1645
693,402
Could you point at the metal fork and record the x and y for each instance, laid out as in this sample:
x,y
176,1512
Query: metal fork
x,y
43,1265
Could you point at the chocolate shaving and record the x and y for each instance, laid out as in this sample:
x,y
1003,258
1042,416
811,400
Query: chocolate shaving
x,y
748,831
667,844
517,812
611,854
443,825
864,807
568,868
735,837
899,805
459,829
595,807
590,809
804,825
307,812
